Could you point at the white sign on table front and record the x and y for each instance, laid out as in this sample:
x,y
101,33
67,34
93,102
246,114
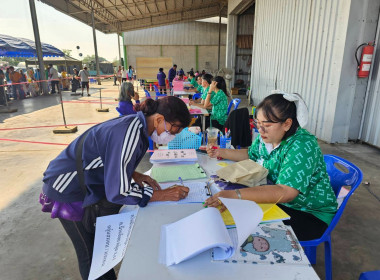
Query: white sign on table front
x,y
111,240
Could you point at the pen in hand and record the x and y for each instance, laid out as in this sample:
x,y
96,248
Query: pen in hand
x,y
181,181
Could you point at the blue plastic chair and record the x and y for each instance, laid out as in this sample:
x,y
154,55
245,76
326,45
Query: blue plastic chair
x,y
338,178
196,96
370,275
158,94
147,94
236,102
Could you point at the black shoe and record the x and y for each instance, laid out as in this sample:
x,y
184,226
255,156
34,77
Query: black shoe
x,y
88,94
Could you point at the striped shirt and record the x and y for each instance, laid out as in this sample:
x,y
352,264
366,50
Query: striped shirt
x,y
111,153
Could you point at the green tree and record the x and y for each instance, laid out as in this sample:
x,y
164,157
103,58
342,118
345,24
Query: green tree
x,y
116,62
13,61
67,52
89,60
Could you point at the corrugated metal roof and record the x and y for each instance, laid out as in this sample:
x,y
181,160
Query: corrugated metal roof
x,y
190,33
298,47
123,15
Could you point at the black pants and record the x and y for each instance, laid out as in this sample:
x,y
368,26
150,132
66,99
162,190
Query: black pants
x,y
83,241
215,123
53,85
305,225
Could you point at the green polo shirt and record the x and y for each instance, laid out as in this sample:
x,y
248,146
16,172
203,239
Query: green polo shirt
x,y
193,81
204,92
219,103
298,163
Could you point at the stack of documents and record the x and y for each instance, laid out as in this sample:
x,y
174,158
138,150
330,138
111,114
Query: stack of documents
x,y
198,193
170,173
272,213
165,156
205,230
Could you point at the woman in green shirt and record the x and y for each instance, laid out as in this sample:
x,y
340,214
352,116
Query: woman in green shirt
x,y
215,97
203,88
297,177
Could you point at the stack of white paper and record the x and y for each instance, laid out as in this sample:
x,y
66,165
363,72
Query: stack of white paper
x,y
205,230
165,156
198,193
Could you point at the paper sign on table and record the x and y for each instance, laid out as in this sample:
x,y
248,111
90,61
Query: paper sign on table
x,y
111,240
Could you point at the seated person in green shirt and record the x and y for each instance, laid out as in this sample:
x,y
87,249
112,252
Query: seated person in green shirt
x,y
297,177
217,97
203,89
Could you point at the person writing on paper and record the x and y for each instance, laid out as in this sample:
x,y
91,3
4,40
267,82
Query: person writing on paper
x,y
297,177
111,152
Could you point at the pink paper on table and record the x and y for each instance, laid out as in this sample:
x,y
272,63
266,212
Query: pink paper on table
x,y
177,85
186,100
195,111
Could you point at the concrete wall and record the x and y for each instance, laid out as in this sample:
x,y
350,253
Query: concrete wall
x,y
183,56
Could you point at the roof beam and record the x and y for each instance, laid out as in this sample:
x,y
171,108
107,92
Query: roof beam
x,y
172,18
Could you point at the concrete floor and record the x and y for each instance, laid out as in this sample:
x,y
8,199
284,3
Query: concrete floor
x,y
32,246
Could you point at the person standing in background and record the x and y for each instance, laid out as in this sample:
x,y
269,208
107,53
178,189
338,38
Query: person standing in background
x,y
3,98
130,73
118,75
124,75
161,76
172,73
84,77
53,78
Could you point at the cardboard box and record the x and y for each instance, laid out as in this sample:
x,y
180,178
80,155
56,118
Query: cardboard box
x,y
234,91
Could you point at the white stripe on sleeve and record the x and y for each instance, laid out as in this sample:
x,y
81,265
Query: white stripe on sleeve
x,y
68,182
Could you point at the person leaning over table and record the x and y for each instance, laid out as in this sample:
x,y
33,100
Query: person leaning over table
x,y
216,96
297,177
111,153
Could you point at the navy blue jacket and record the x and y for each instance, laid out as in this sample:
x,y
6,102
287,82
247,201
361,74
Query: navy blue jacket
x,y
171,75
111,153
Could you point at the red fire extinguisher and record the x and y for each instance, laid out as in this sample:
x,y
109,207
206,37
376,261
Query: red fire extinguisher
x,y
364,64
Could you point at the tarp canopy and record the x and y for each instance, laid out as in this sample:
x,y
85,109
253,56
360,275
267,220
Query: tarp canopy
x,y
59,61
20,47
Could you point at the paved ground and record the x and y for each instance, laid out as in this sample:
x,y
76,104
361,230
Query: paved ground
x,y
32,246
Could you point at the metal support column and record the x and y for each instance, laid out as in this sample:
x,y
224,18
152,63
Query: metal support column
x,y
220,26
96,48
118,44
38,45
125,54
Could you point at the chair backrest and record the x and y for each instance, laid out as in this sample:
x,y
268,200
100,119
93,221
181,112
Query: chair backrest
x,y
118,110
156,89
236,102
196,96
147,94
338,178
342,173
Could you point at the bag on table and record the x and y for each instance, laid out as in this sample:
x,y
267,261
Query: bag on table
x,y
247,172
